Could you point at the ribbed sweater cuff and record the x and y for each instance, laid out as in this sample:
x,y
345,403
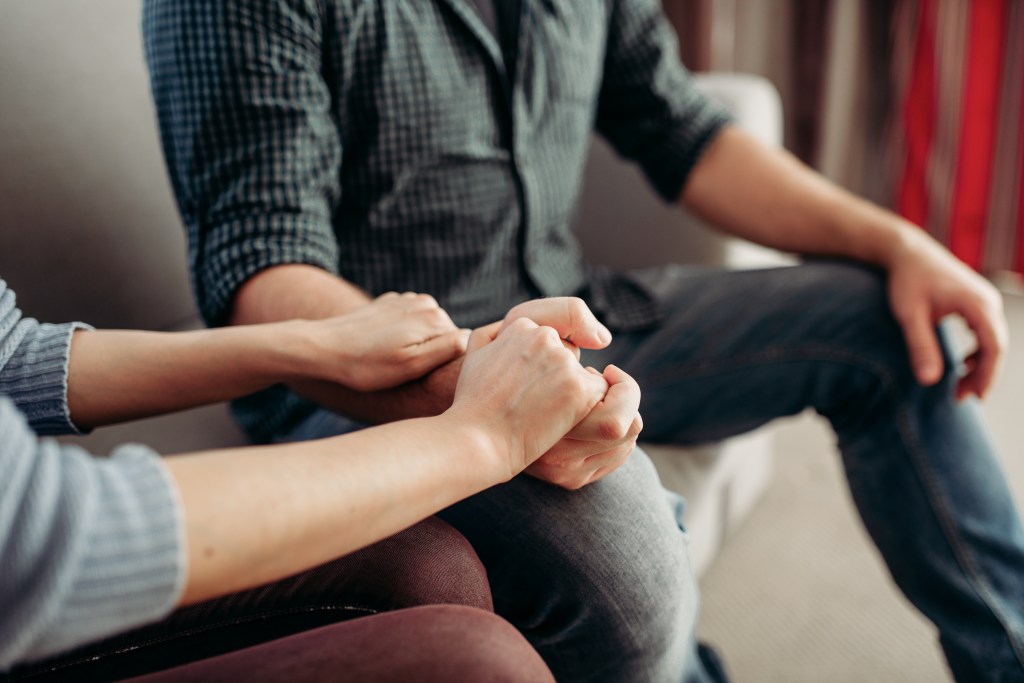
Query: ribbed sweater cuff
x,y
132,567
40,389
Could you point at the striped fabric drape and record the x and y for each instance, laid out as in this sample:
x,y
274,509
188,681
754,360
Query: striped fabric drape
x,y
958,133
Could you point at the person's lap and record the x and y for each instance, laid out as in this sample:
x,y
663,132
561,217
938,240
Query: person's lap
x,y
428,564
599,580
739,349
428,644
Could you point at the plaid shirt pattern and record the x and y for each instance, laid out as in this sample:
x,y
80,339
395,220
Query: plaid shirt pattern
x,y
386,142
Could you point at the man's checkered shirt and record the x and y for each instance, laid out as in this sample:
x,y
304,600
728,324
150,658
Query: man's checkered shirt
x,y
384,141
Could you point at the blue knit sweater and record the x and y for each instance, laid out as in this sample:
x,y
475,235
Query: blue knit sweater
x,y
88,546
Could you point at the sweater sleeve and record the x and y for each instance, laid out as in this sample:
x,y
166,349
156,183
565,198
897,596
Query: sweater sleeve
x,y
88,547
34,366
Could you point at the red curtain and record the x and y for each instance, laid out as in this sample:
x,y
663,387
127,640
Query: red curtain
x,y
958,71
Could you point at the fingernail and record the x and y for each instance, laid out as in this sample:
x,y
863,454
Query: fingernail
x,y
604,335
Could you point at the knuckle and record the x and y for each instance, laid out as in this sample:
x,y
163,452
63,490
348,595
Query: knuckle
x,y
519,325
577,307
436,316
426,300
549,337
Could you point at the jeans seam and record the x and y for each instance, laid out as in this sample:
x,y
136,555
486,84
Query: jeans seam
x,y
980,585
913,448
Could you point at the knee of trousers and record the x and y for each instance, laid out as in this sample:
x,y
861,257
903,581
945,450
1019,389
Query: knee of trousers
x,y
430,563
864,355
620,596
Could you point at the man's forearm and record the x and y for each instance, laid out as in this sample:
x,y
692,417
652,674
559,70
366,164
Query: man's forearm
x,y
766,195
425,397
300,291
294,291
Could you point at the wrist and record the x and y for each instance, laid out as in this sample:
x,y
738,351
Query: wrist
x,y
296,352
488,450
885,238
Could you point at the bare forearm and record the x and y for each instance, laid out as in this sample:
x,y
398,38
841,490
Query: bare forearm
x,y
294,291
766,195
116,375
258,515
255,515
298,291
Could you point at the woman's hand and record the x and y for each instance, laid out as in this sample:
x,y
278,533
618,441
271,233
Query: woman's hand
x,y
390,341
603,440
525,389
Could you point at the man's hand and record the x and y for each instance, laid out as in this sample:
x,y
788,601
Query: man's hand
x,y
607,435
568,315
601,442
927,283
391,340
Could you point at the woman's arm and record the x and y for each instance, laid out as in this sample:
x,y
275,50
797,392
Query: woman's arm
x,y
93,547
255,515
116,375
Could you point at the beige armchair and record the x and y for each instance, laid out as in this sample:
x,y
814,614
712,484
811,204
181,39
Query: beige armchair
x,y
622,223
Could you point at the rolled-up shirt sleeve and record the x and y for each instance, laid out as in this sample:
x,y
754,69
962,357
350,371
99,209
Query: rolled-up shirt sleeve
x,y
89,547
649,109
251,146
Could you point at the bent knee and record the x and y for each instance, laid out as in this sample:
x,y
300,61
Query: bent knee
x,y
429,563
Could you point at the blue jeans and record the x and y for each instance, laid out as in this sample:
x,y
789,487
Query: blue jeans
x,y
599,580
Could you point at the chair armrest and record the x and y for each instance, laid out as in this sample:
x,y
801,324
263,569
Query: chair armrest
x,y
622,223
752,100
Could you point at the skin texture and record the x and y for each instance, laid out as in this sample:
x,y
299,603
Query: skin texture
x,y
121,375
254,515
603,442
787,206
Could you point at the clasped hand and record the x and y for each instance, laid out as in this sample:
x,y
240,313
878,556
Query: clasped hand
x,y
577,424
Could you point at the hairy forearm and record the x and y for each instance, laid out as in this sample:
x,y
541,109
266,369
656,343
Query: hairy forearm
x,y
118,375
786,205
257,515
299,291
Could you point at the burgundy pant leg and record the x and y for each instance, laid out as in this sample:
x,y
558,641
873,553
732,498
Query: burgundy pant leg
x,y
433,644
429,563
